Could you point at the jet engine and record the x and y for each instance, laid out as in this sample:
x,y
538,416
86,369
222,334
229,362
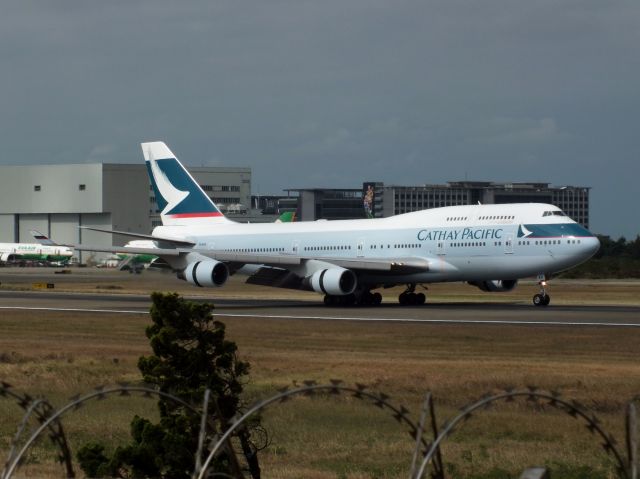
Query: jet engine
x,y
496,286
334,281
4,257
206,273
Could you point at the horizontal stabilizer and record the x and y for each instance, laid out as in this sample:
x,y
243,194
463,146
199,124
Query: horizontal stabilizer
x,y
164,242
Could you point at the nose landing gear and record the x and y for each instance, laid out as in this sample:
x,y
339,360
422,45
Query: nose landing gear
x,y
542,298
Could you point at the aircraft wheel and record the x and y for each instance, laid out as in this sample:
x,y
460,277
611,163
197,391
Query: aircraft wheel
x,y
537,300
540,300
328,300
403,299
349,300
547,299
366,299
376,299
411,299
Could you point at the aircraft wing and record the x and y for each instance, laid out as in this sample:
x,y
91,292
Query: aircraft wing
x,y
404,265
122,249
393,265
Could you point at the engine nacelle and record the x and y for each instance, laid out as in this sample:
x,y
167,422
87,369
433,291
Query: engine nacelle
x,y
4,257
496,286
206,273
334,281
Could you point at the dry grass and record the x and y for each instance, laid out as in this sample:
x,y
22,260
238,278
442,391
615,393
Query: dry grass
x,y
60,354
564,292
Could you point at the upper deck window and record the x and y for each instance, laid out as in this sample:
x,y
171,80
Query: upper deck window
x,y
554,213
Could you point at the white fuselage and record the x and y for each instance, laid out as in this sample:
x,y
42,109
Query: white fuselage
x,y
35,251
460,243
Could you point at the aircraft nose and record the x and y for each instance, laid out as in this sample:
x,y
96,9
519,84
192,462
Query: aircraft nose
x,y
591,245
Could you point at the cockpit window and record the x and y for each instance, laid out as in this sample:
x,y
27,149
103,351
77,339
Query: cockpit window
x,y
554,213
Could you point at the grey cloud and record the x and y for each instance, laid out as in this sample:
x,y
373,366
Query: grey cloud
x,y
102,153
520,131
334,92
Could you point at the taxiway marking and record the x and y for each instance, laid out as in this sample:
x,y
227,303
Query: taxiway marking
x,y
74,310
350,318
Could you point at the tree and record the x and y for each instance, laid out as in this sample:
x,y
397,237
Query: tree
x,y
190,355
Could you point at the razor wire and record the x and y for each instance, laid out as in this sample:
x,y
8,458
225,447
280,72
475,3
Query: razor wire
x,y
75,403
572,408
310,387
50,419
41,409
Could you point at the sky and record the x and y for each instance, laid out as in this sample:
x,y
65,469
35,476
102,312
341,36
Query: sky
x,y
329,93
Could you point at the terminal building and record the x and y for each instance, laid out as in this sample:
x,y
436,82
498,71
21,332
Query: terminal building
x,y
377,200
393,200
58,199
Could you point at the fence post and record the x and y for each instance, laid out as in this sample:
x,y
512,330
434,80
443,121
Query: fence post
x,y
632,440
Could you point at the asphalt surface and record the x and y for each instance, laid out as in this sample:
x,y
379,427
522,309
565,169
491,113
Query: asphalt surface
x,y
483,313
486,312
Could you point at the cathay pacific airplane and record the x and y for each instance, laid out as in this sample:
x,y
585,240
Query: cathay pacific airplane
x,y
488,246
44,250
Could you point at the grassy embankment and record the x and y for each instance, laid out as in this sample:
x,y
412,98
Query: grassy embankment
x,y
61,354
58,355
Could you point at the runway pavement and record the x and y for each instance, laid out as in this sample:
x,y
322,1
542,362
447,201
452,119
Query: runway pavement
x,y
453,312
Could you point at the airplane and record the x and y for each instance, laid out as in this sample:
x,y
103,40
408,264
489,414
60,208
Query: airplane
x,y
488,246
135,263
44,250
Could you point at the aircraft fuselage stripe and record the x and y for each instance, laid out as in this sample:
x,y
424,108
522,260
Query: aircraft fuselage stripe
x,y
195,215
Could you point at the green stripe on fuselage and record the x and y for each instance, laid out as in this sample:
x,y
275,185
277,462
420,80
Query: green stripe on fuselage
x,y
40,257
561,230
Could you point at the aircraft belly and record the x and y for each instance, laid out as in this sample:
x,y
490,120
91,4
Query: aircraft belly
x,y
476,268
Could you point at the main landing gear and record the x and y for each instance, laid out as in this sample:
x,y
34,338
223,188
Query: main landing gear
x,y
358,298
365,297
410,297
542,298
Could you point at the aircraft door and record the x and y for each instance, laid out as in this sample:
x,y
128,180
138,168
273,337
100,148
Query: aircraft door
x,y
295,247
360,248
508,244
441,251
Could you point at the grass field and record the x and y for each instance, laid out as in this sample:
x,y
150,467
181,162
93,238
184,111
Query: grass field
x,y
60,354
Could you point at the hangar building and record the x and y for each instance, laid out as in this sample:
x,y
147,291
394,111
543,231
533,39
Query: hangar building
x,y
58,199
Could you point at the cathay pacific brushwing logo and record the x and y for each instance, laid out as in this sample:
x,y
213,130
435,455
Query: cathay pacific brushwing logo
x,y
523,232
170,193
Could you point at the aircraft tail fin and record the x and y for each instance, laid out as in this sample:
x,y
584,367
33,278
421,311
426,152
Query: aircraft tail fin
x,y
180,199
287,217
42,238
